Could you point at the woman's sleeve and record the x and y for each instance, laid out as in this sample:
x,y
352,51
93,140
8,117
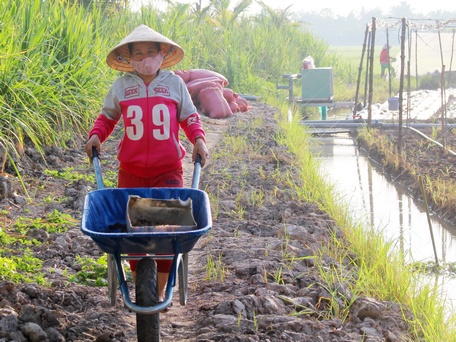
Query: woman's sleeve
x,y
189,118
102,127
193,128
108,118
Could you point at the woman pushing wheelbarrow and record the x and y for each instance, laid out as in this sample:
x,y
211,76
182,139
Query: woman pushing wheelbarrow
x,y
153,103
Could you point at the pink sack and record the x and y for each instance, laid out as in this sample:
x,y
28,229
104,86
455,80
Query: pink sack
x,y
194,87
203,73
206,79
228,94
242,103
213,104
185,75
234,106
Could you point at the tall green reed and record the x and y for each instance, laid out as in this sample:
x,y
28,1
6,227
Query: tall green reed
x,y
53,74
50,75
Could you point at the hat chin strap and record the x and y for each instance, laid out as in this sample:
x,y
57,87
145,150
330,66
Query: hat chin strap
x,y
170,50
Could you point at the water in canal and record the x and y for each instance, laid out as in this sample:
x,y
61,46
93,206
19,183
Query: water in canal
x,y
387,207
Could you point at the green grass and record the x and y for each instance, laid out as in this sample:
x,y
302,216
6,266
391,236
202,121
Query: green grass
x,y
55,222
71,175
93,272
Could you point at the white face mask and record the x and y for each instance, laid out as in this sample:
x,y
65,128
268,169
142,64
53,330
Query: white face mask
x,y
148,66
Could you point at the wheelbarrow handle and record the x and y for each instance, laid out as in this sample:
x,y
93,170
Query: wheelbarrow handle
x,y
97,168
196,172
99,177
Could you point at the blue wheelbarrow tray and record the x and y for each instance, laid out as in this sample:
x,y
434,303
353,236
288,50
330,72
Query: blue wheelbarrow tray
x,y
104,219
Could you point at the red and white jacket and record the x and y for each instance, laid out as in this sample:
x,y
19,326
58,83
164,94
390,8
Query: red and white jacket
x,y
152,116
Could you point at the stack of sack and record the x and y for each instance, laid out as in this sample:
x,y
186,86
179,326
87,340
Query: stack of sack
x,y
208,92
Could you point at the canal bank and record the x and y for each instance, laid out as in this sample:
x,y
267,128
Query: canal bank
x,y
388,207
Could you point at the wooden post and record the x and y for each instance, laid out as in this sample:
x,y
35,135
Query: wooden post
x,y
401,89
366,76
371,74
416,59
389,62
409,78
442,95
443,107
360,70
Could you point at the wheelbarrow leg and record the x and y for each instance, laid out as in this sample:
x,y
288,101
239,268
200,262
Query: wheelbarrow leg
x,y
112,280
183,279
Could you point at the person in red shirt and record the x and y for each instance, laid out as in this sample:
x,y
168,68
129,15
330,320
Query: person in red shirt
x,y
385,59
154,104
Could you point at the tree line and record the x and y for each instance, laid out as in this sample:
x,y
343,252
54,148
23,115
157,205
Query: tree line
x,y
350,29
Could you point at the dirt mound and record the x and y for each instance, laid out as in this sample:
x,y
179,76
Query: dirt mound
x,y
422,155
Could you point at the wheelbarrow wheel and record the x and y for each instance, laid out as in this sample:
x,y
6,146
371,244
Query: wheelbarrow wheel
x,y
147,325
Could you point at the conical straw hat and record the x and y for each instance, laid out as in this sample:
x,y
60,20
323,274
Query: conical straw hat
x,y
119,57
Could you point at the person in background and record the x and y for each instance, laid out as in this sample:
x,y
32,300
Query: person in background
x,y
385,59
154,105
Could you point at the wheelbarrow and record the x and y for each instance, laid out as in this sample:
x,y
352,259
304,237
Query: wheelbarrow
x,y
109,219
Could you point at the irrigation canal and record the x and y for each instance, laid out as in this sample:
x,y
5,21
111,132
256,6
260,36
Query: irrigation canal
x,y
387,207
